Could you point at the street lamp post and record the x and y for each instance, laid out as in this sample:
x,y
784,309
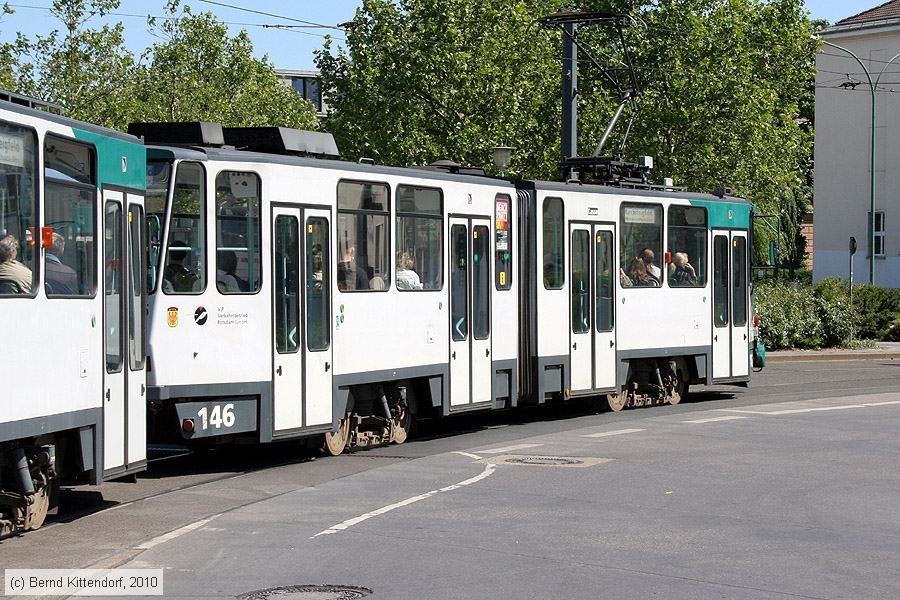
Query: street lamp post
x,y
873,87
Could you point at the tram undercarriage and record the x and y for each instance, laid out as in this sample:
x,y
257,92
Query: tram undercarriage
x,y
28,487
652,382
377,414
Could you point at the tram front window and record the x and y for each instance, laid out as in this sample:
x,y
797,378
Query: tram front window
x,y
185,270
159,174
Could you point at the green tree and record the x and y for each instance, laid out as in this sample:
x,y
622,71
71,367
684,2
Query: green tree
x,y
201,73
723,80
88,71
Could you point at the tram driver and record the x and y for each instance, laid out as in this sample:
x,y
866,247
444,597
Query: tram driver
x,y
350,275
177,277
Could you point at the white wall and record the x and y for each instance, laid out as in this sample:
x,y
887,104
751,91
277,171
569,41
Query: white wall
x,y
842,156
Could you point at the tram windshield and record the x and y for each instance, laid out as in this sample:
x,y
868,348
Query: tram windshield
x,y
159,172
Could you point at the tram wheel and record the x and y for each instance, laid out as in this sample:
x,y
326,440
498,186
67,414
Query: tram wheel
x,y
680,390
616,401
402,426
336,441
37,511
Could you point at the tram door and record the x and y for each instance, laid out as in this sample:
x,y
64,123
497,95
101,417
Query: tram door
x,y
731,354
124,307
592,356
470,311
302,309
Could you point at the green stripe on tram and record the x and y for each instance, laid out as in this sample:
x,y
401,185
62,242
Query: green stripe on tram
x,y
119,162
724,215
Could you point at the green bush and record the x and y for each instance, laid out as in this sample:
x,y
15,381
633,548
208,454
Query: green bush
x,y
833,303
789,316
878,312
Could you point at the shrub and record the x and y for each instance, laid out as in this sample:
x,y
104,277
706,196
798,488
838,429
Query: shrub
x,y
878,312
833,305
789,315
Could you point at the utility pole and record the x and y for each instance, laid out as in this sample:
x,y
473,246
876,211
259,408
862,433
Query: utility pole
x,y
569,146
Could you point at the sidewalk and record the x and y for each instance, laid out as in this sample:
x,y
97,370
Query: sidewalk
x,y
882,351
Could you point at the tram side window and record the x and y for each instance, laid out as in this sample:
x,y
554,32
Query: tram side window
x,y
420,228
185,270
18,258
554,244
363,259
70,208
238,232
720,280
641,246
318,285
687,247
159,173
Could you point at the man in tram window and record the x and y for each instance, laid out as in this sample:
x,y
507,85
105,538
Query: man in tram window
x,y
15,278
60,278
177,277
649,259
350,275
681,272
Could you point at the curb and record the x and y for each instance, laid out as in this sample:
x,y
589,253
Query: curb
x,y
817,356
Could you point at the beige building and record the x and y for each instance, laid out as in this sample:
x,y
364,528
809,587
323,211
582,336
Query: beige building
x,y
843,147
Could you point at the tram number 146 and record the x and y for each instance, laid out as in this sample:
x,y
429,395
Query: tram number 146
x,y
218,417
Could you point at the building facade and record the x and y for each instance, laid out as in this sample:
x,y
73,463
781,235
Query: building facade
x,y
308,84
843,150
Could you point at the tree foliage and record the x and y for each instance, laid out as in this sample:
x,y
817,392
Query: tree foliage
x,y
723,83
198,71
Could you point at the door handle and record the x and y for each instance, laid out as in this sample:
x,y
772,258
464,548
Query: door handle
x,y
611,343
487,352
716,338
143,389
575,346
107,395
453,356
327,366
278,370
745,337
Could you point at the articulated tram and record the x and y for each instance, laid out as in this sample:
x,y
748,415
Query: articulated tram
x,y
73,303
196,284
295,297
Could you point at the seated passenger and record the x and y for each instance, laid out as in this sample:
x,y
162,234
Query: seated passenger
x,y
649,260
681,272
225,278
15,278
350,275
177,277
640,274
60,278
407,278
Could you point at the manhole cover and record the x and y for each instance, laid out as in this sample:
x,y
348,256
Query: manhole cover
x,y
309,592
548,461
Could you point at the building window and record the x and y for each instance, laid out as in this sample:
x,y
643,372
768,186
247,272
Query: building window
x,y
879,234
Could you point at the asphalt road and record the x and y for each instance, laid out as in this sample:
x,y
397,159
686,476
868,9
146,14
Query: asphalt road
x,y
790,488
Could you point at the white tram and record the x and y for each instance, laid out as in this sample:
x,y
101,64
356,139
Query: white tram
x,y
295,297
73,298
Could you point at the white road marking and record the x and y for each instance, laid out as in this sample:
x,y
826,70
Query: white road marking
x,y
715,419
174,534
882,403
509,448
609,433
488,471
797,411
467,454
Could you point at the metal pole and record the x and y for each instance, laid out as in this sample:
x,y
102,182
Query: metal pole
x,y
569,146
851,298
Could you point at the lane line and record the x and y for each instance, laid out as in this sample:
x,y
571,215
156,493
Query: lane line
x,y
488,471
467,454
509,448
882,403
609,433
174,534
715,419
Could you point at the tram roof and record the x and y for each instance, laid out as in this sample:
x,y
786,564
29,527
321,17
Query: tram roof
x,y
227,153
68,122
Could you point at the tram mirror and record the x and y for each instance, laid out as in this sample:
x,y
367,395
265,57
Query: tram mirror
x,y
243,185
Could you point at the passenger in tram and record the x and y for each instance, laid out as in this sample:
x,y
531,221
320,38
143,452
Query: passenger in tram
x,y
15,278
649,260
59,277
226,280
407,278
350,275
638,275
681,272
177,277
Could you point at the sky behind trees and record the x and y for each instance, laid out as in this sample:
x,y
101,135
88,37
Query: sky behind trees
x,y
287,48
